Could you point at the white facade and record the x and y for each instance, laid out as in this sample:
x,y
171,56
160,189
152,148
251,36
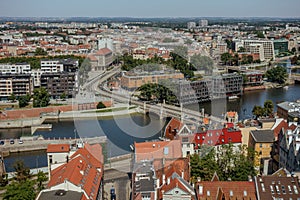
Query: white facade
x,y
15,68
203,22
257,49
51,66
268,47
191,25
56,159
36,74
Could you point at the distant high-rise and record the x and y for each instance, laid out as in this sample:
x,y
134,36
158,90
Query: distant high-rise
x,y
191,25
203,22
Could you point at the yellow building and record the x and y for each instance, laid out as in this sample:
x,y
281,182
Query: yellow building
x,y
262,142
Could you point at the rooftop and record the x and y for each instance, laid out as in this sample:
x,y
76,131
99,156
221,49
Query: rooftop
x,y
58,148
263,136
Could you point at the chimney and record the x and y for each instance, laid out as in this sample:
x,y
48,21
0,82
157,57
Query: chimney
x,y
168,181
182,174
157,182
163,179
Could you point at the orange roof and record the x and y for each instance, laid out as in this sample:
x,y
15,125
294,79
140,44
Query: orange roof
x,y
238,189
172,128
84,170
58,148
103,51
206,120
157,149
231,114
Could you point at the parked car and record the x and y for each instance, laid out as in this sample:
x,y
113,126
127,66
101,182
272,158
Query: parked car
x,y
21,141
2,142
12,141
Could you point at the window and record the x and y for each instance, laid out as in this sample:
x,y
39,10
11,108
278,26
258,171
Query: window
x,y
208,193
166,150
260,145
245,193
231,193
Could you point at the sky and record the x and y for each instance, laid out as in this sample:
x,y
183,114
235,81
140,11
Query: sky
x,y
150,8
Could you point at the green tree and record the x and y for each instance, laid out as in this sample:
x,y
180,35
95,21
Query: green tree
x,y
40,52
260,34
22,173
24,100
100,105
12,97
277,74
41,177
228,162
268,107
258,111
23,190
63,96
41,97
226,58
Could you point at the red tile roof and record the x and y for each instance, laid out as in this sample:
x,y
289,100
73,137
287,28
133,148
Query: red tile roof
x,y
58,148
172,128
103,51
85,170
157,149
241,190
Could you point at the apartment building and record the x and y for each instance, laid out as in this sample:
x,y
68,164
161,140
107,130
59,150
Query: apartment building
x,y
261,141
209,88
19,68
59,83
17,84
79,175
101,59
268,47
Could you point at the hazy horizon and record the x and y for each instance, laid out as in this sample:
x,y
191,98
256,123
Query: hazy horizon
x,y
151,9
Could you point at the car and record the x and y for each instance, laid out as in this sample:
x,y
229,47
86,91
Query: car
x,y
12,141
2,142
21,141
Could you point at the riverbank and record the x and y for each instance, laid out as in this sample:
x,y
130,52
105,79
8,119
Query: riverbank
x,y
118,110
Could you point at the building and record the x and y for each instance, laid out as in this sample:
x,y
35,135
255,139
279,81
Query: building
x,y
225,190
191,25
257,49
61,65
134,80
289,146
253,79
261,141
143,181
216,137
176,130
19,68
209,88
57,155
221,47
289,111
59,83
17,84
101,59
280,46
268,47
157,150
277,187
232,117
51,66
203,22
80,177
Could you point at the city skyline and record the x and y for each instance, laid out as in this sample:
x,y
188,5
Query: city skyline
x,y
155,8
